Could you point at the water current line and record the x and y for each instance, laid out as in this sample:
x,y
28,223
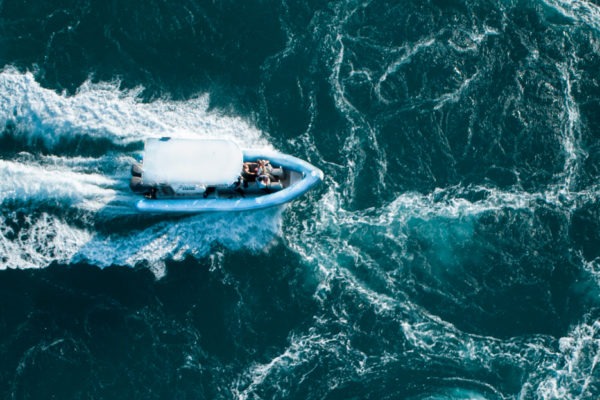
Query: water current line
x,y
354,144
405,58
570,132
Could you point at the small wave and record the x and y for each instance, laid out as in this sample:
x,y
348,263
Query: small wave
x,y
35,241
460,389
581,11
572,374
289,370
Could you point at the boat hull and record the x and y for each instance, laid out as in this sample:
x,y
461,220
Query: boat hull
x,y
310,177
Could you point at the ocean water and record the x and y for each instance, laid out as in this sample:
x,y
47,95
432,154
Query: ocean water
x,y
451,252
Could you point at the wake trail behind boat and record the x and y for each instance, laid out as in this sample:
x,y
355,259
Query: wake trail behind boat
x,y
60,206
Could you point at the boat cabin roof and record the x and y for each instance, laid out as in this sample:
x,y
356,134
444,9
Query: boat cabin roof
x,y
209,162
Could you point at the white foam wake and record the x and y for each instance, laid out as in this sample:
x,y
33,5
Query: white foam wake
x,y
44,183
38,240
44,238
175,240
103,110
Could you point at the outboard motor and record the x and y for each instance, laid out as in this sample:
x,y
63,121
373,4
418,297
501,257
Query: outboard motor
x,y
137,185
136,169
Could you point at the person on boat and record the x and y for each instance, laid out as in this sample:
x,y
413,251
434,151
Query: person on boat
x,y
151,194
252,170
239,186
249,172
264,168
263,182
208,191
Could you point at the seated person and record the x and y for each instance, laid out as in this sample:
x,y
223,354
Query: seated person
x,y
264,167
250,171
208,191
239,186
263,182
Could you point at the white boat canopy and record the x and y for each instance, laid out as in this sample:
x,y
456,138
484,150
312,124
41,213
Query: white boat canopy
x,y
209,162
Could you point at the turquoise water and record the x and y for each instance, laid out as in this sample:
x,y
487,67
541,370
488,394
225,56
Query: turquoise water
x,y
452,251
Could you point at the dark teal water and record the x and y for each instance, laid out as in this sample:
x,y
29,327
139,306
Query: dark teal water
x,y
452,251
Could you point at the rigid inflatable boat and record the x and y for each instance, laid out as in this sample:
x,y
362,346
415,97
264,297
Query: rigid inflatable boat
x,y
212,175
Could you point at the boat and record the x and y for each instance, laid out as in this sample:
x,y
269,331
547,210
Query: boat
x,y
216,175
